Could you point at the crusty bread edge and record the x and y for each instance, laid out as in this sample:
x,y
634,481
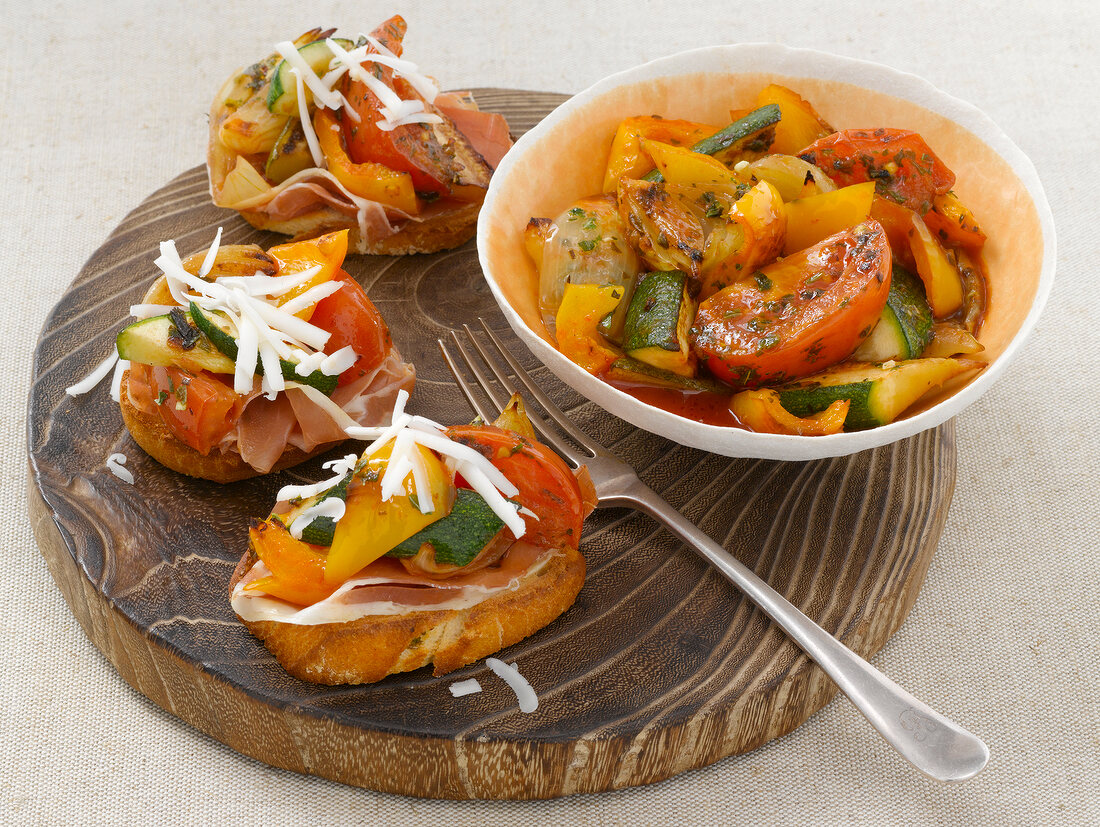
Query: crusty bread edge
x,y
372,647
154,437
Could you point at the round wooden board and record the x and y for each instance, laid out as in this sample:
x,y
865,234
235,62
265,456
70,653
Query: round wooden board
x,y
659,667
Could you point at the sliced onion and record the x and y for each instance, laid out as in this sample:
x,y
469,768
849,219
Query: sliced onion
x,y
585,249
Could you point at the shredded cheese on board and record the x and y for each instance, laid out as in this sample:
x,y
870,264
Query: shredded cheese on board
x,y
93,378
470,687
114,465
525,694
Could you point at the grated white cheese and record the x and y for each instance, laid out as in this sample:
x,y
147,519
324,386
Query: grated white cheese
x,y
311,296
114,465
116,381
312,141
211,254
144,311
308,362
470,687
332,507
93,378
525,694
337,362
340,467
395,111
484,477
321,93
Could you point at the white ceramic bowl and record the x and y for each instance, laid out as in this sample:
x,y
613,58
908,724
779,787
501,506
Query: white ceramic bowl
x,y
563,159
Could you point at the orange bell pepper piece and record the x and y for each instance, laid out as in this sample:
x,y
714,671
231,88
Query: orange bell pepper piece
x,y
953,224
297,570
327,250
374,181
628,158
761,411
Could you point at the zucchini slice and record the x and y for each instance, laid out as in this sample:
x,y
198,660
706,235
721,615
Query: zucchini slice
x,y
626,369
320,531
282,97
878,394
905,328
216,328
157,341
460,536
290,154
656,327
757,127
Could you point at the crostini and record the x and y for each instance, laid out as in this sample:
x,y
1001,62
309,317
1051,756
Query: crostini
x,y
244,361
435,546
329,133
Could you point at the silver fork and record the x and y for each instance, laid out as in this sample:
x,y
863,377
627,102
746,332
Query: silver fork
x,y
933,744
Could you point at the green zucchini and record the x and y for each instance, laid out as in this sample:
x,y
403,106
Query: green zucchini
x,y
755,127
460,536
321,530
904,329
878,394
216,328
657,322
282,97
626,369
612,326
289,155
157,341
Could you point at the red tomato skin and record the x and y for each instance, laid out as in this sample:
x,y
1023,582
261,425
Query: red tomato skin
x,y
798,315
903,167
546,485
198,408
352,319
410,148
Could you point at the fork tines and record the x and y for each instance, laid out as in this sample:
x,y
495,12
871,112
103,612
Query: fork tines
x,y
504,381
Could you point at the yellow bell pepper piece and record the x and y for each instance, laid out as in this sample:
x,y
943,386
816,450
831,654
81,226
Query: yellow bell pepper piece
x,y
372,526
327,250
680,165
809,220
582,307
373,181
799,125
942,283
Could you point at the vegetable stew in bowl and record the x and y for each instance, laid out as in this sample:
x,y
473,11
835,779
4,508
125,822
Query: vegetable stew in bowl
x,y
766,264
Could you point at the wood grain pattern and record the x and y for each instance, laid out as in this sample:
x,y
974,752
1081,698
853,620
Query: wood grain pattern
x,y
659,667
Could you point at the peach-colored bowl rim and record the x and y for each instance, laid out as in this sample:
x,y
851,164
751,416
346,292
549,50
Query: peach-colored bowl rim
x,y
807,63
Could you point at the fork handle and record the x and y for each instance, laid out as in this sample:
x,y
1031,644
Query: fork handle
x,y
936,746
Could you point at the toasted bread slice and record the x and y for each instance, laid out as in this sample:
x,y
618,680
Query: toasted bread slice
x,y
372,647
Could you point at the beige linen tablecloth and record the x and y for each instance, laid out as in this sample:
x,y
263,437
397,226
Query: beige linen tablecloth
x,y
102,103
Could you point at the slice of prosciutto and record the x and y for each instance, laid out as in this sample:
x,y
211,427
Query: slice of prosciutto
x,y
385,588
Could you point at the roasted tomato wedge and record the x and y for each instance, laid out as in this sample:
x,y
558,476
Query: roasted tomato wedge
x,y
199,408
352,319
546,485
410,148
798,315
902,165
